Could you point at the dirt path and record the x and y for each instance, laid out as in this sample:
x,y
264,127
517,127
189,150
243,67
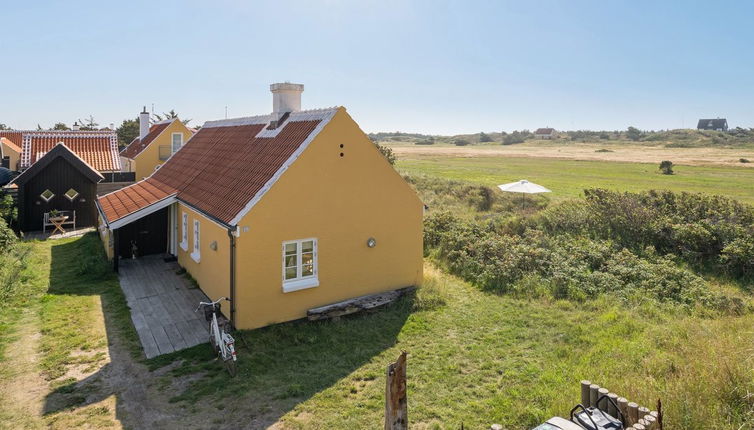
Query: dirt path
x,y
585,151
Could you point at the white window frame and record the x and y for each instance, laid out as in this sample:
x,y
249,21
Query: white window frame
x,y
69,197
301,282
47,200
196,256
184,231
173,149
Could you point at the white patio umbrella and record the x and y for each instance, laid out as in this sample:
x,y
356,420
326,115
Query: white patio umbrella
x,y
523,187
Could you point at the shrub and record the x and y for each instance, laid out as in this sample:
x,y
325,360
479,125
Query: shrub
x,y
8,238
634,133
603,150
461,142
666,167
744,160
484,137
738,256
386,152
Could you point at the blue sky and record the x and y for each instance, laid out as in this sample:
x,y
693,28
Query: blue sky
x,y
425,66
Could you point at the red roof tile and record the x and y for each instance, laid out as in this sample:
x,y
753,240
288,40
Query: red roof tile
x,y
130,199
99,149
137,145
228,163
10,144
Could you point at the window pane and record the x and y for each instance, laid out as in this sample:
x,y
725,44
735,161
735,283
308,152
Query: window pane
x,y
290,261
290,248
307,270
307,246
290,273
307,258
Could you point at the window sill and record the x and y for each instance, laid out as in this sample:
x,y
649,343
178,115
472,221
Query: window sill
x,y
195,256
301,284
184,246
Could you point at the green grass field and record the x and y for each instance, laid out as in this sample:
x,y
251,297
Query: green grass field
x,y
568,178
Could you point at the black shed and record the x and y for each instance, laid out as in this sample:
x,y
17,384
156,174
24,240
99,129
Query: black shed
x,y
61,181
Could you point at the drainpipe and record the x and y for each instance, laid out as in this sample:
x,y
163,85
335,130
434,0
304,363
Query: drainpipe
x,y
232,238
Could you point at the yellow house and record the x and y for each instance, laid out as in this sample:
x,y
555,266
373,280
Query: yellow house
x,y
11,151
281,213
154,145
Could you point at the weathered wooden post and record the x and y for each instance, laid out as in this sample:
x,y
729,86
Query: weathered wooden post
x,y
611,405
396,405
602,405
593,395
585,393
623,408
651,422
643,411
633,413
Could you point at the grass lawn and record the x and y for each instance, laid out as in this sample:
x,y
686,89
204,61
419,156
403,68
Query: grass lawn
x,y
567,178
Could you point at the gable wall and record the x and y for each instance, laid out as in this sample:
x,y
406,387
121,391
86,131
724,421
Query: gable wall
x,y
13,155
145,163
341,201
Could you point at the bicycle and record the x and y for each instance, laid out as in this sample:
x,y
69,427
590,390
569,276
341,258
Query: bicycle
x,y
222,342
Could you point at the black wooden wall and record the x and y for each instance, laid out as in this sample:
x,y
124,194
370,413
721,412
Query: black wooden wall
x,y
150,234
59,176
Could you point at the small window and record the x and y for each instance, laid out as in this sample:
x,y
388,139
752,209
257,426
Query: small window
x,y
299,264
177,141
47,195
71,194
184,231
195,255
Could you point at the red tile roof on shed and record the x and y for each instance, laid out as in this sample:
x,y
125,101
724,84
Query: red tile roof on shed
x,y
545,131
14,136
227,165
98,148
132,198
137,145
10,144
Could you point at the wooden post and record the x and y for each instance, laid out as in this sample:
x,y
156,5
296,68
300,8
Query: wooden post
x,y
643,411
623,408
585,393
659,414
593,395
611,409
633,413
651,422
396,405
603,403
638,426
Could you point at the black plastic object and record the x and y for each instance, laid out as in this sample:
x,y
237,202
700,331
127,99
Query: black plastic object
x,y
209,310
595,419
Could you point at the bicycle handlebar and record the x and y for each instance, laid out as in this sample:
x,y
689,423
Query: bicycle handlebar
x,y
211,303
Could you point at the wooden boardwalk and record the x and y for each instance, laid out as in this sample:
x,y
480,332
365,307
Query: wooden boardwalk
x,y
162,305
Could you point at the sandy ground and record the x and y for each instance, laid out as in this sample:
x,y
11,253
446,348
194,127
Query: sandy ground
x,y
585,151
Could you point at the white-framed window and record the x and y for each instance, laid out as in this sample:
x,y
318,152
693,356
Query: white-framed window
x,y
177,141
184,231
299,264
196,255
47,195
71,194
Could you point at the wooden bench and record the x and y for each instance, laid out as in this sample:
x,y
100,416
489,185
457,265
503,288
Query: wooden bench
x,y
71,221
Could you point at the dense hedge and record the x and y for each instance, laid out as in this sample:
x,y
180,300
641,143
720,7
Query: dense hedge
x,y
632,246
12,262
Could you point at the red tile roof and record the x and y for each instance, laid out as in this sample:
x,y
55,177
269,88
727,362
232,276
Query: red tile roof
x,y
227,164
10,144
130,199
12,135
137,145
545,131
99,148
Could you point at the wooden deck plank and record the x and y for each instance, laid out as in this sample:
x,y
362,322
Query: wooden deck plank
x,y
176,339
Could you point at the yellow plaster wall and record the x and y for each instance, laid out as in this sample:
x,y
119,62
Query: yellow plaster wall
x,y
104,234
13,155
145,163
212,272
341,201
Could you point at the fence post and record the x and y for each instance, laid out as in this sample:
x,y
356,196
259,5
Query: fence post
x,y
396,405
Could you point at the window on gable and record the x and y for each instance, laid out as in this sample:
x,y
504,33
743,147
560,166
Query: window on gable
x,y
47,195
71,194
177,141
299,264
196,255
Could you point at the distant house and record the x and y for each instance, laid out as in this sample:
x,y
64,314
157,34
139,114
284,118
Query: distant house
x,y
717,124
99,148
154,145
544,133
59,180
10,154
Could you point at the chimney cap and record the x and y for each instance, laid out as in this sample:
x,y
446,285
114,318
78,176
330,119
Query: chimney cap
x,y
286,86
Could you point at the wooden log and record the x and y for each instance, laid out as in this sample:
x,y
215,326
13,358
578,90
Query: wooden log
x,y
602,403
651,422
611,409
633,413
638,426
643,422
356,304
396,405
496,427
623,408
643,411
593,394
585,393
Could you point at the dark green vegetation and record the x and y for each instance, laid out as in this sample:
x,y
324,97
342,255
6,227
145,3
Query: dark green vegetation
x,y
680,138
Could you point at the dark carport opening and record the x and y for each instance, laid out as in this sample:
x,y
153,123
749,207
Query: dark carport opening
x,y
145,236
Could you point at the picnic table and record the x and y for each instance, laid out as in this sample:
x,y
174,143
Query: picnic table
x,y
61,219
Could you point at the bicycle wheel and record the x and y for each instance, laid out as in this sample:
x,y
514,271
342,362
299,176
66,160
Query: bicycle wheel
x,y
231,366
215,347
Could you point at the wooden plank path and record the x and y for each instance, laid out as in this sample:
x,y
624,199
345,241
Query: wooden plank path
x,y
162,305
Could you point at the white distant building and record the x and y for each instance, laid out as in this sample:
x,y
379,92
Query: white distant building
x,y
545,133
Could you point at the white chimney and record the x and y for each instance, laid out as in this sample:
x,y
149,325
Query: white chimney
x,y
75,126
143,123
112,126
286,97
